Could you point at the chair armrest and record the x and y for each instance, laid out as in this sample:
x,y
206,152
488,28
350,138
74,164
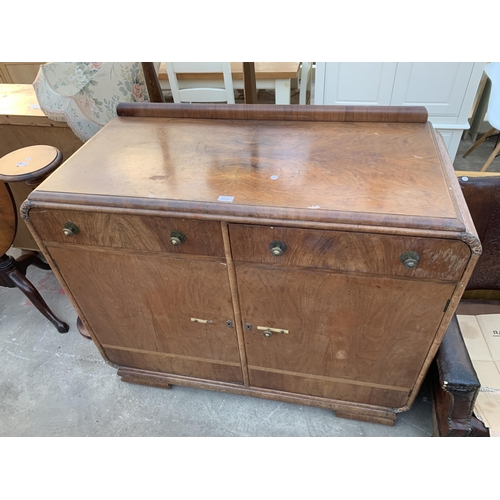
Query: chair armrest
x,y
455,387
456,372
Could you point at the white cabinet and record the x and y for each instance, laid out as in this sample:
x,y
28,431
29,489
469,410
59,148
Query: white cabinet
x,y
366,83
446,89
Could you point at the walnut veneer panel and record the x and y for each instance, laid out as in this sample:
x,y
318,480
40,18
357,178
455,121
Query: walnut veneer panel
x,y
370,330
132,232
146,302
198,368
320,167
333,389
362,252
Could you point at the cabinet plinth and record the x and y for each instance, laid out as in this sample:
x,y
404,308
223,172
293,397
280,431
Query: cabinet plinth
x,y
314,256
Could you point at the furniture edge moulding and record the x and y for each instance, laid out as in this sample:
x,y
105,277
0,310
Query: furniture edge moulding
x,y
386,114
469,237
308,219
342,409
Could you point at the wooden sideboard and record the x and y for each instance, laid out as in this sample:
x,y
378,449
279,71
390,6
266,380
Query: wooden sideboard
x,y
313,256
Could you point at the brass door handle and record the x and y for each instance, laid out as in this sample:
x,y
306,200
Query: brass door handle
x,y
268,331
410,259
277,248
177,238
70,229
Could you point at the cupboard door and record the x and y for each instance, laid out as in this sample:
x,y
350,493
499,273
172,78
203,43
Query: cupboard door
x,y
140,307
354,337
438,86
359,83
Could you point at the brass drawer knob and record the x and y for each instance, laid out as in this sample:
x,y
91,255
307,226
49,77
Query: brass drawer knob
x,y
70,229
177,238
277,248
410,260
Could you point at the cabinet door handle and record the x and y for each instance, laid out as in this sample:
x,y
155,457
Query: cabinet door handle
x,y
274,330
198,320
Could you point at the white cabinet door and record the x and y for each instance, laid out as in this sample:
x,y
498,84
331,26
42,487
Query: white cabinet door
x,y
438,86
364,84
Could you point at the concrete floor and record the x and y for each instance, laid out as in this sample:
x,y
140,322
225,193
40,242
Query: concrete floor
x,y
54,384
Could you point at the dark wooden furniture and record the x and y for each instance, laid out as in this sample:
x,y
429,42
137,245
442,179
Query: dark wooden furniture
x,y
152,82
455,382
250,83
313,256
29,165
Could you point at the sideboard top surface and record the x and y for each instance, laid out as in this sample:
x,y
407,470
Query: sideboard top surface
x,y
287,169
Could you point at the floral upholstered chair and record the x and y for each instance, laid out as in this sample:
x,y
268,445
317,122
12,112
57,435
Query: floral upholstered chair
x,y
85,94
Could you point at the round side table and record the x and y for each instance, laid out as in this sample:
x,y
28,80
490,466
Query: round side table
x,y
30,165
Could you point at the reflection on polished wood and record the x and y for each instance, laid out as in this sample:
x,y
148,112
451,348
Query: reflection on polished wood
x,y
322,169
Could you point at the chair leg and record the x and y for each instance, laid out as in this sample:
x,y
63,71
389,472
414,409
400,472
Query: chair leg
x,y
490,132
491,158
21,282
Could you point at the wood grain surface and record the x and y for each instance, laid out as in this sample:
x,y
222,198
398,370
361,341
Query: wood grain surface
x,y
296,383
19,106
7,219
347,195
130,231
365,329
390,114
146,302
23,239
30,163
317,170
19,136
349,251
370,413
158,362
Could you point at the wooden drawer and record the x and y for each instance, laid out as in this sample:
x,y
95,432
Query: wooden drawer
x,y
135,232
440,259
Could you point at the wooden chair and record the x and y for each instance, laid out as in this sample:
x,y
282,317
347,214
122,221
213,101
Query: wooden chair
x,y
492,70
41,160
188,94
454,380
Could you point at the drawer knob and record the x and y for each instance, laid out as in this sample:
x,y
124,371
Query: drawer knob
x,y
177,238
268,333
410,260
277,248
70,229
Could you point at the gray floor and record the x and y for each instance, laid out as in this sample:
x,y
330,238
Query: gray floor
x,y
55,384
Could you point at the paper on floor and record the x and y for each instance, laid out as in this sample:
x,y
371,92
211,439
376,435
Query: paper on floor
x,y
482,337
